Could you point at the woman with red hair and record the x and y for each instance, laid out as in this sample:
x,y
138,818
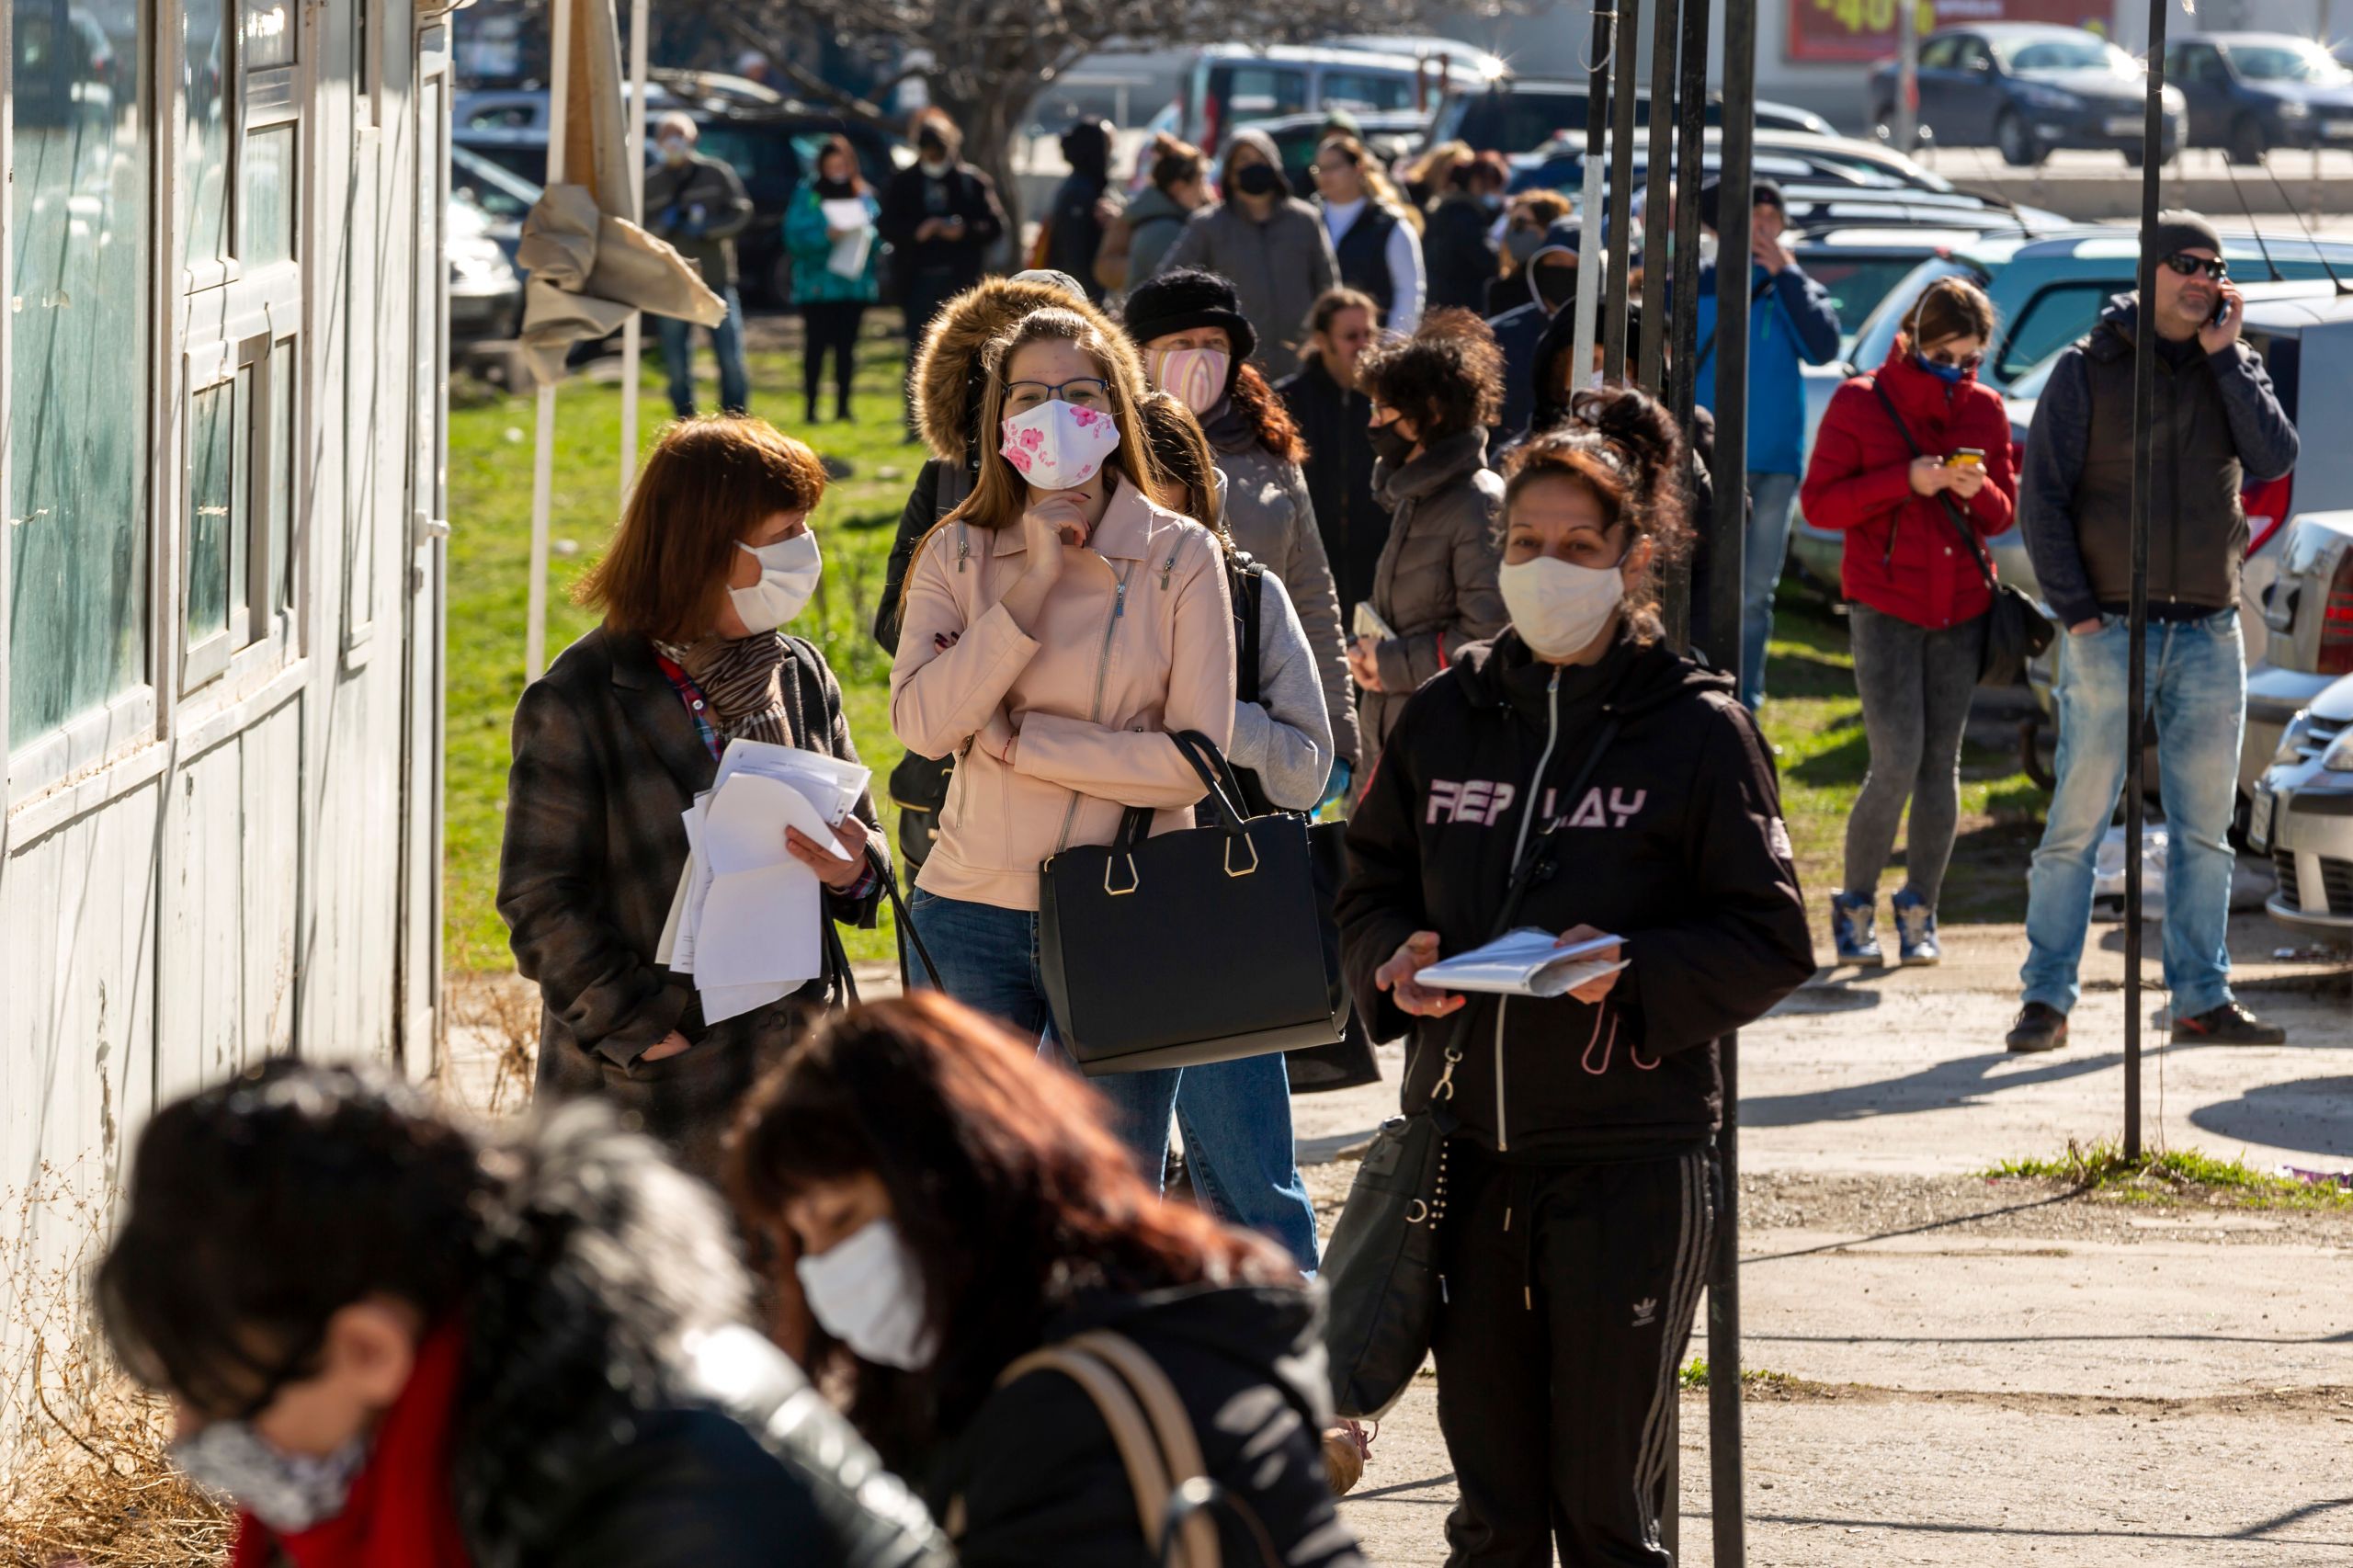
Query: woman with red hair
x,y
954,1204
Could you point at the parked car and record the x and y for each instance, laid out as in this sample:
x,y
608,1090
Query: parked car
x,y
1296,136
2251,92
503,196
2300,815
1786,155
769,141
2029,88
1519,114
485,292
1229,84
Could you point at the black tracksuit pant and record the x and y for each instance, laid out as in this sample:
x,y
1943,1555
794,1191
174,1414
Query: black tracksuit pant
x,y
831,327
1569,1295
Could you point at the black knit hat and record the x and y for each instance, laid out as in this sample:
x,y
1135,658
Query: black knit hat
x,y
2179,230
1188,297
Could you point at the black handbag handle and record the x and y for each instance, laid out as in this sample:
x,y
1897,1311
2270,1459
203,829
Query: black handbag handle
x,y
906,922
1952,513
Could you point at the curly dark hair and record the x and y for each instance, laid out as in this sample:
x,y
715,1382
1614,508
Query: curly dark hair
x,y
1621,445
1270,416
1447,378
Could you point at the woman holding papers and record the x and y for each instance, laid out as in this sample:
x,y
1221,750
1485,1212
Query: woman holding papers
x,y
1055,627
1636,791
829,230
614,743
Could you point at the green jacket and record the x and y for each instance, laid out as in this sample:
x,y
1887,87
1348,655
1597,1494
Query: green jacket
x,y
804,236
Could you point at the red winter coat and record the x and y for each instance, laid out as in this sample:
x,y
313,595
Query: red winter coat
x,y
1904,556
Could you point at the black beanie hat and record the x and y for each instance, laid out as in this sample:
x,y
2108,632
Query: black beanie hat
x,y
2181,230
1188,297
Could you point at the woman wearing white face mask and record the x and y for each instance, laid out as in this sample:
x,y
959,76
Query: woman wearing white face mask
x,y
1627,793
712,558
1055,629
1197,346
948,1206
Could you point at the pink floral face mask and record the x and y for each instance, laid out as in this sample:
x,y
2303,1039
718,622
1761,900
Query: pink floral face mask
x,y
1059,446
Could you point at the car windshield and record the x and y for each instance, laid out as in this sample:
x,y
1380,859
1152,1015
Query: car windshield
x,y
2049,56
1857,283
2029,387
2287,63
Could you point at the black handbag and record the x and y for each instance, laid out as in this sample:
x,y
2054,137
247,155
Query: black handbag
x,y
2016,631
1380,1269
1203,945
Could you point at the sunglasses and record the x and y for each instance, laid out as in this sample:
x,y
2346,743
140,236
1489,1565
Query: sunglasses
x,y
1966,362
2190,266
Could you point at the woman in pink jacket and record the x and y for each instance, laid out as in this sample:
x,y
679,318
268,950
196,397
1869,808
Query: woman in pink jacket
x,y
1056,627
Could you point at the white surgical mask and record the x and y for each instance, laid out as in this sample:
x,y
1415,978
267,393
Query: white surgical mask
x,y
788,572
1194,377
867,1292
289,1492
1707,248
1559,608
674,151
1058,445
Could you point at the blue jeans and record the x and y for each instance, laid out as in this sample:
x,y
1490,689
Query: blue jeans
x,y
2197,687
1236,1115
726,341
1761,555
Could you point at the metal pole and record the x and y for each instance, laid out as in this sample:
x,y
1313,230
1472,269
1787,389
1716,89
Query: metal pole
x,y
1589,279
1658,212
1628,32
535,634
2144,398
1726,1505
633,330
1907,75
1690,149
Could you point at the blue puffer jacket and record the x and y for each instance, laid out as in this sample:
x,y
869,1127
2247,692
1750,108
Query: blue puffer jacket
x,y
1790,322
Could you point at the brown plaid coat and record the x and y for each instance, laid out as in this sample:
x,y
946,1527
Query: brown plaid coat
x,y
607,758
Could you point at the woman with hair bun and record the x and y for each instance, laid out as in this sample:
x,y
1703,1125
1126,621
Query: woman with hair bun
x,y
1910,463
1637,793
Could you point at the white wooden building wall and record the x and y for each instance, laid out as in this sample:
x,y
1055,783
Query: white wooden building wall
x,y
254,864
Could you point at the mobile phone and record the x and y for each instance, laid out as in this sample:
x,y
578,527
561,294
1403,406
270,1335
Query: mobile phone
x,y
2222,311
1966,457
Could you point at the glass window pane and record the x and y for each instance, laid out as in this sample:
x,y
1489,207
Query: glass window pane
x,y
270,33
281,475
77,495
211,495
207,71
269,175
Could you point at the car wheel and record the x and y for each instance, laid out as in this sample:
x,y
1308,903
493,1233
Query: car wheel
x,y
2016,143
2246,145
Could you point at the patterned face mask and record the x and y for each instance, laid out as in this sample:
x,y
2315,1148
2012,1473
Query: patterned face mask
x,y
1059,446
290,1492
1194,377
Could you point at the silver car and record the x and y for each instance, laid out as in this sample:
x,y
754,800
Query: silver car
x,y
2302,815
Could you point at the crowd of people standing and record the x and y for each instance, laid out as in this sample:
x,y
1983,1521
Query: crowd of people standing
x,y
1229,473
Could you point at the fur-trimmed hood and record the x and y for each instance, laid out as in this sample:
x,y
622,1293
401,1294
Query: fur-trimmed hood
x,y
948,368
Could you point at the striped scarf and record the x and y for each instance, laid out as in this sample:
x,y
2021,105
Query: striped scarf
x,y
741,678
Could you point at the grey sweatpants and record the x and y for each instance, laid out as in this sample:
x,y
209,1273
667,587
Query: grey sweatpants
x,y
1916,686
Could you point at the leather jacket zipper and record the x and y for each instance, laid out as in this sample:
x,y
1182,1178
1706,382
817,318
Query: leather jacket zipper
x,y
1526,821
1102,669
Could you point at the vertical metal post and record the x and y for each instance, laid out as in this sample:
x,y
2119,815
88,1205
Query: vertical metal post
x,y
1597,120
1683,317
2144,398
1727,1505
1907,75
633,330
1623,75
1658,212
535,632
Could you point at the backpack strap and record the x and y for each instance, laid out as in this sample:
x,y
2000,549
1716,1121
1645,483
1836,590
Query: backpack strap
x,y
1245,580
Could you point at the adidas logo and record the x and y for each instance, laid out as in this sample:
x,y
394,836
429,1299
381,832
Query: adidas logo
x,y
1645,1312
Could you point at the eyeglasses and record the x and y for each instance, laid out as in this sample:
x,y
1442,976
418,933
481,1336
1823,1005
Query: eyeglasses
x,y
1966,362
1333,164
2190,266
1086,391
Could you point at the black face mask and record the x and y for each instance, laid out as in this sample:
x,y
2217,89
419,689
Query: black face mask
x,y
1556,286
1257,180
1389,444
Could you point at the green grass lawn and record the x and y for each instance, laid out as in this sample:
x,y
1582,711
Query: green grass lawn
x,y
1812,715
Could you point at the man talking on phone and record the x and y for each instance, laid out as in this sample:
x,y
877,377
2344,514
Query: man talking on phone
x,y
2217,428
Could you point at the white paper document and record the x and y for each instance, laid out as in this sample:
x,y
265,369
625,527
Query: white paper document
x,y
748,919
1525,962
848,259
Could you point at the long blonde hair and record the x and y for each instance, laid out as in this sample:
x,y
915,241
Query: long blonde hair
x,y
1375,182
1000,493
